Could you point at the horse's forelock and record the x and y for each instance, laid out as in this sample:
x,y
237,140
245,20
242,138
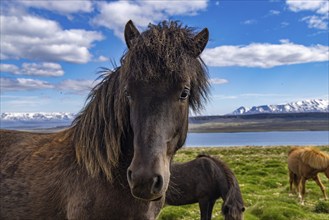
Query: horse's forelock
x,y
163,53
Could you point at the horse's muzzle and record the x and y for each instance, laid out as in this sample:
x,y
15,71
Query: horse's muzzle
x,y
144,186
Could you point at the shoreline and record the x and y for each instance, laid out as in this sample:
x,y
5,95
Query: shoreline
x,y
237,147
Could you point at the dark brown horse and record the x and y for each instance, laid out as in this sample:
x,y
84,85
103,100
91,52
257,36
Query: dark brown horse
x,y
113,162
204,180
305,163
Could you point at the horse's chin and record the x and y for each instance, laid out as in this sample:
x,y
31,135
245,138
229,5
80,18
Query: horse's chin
x,y
158,199
149,199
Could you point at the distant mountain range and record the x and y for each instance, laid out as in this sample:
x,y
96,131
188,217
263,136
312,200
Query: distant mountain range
x,y
38,116
313,105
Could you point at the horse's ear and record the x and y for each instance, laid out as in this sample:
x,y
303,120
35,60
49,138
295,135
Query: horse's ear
x,y
131,33
201,40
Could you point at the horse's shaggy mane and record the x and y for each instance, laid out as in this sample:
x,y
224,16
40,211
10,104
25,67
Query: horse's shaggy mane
x,y
166,52
315,158
99,128
161,53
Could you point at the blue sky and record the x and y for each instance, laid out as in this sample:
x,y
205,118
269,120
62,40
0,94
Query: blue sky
x,y
260,52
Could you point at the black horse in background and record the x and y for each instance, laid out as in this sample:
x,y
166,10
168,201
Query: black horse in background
x,y
204,180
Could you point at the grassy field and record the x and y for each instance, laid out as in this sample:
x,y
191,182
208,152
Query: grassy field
x,y
263,177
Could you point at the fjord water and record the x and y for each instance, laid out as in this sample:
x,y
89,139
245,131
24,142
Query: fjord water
x,y
275,138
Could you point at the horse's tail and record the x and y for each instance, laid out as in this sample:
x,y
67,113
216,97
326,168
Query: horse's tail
x,y
293,178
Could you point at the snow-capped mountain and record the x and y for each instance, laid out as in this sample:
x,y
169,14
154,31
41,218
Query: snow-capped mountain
x,y
313,105
38,116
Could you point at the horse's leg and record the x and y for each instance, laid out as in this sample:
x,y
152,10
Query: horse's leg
x,y
291,181
296,182
302,189
323,189
206,207
211,204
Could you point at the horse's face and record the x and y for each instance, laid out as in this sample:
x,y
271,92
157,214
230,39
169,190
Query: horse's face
x,y
159,121
233,212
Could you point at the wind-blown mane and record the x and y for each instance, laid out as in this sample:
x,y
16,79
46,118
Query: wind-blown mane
x,y
100,127
315,158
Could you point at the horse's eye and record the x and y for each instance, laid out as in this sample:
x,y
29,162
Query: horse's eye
x,y
185,93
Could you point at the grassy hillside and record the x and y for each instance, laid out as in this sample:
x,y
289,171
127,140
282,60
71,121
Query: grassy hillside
x,y
263,177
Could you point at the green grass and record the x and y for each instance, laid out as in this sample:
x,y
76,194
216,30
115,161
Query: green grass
x,y
263,178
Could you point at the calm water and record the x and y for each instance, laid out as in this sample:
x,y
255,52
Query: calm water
x,y
215,139
258,138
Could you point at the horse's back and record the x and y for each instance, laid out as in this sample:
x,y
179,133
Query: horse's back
x,y
26,173
200,178
11,137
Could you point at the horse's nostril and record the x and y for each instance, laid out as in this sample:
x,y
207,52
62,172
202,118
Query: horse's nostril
x,y
157,184
129,176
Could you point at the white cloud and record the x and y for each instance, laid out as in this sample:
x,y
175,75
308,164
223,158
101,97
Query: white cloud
x,y
265,55
101,59
217,81
284,24
23,103
262,95
76,86
33,69
61,6
250,21
23,84
316,22
274,12
35,38
8,68
114,15
80,87
319,7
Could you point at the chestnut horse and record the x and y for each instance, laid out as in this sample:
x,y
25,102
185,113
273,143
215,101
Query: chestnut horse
x,y
305,163
204,180
114,161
